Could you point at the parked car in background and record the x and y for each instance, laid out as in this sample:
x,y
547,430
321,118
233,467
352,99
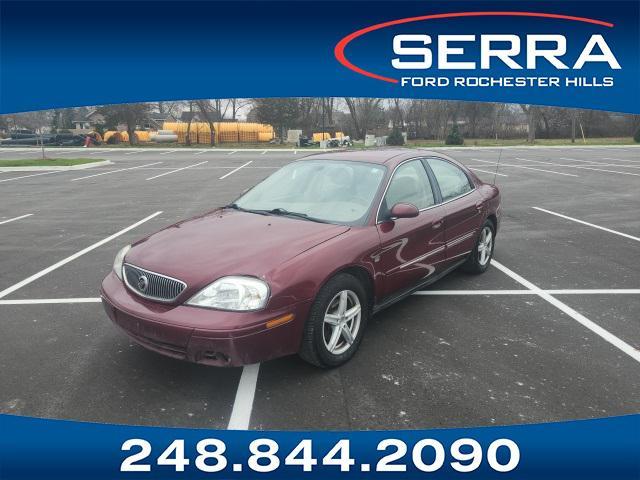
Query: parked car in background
x,y
50,139
300,263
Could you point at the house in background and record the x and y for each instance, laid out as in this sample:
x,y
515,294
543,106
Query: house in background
x,y
155,120
187,117
84,123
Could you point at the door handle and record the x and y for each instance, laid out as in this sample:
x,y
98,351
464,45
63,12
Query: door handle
x,y
479,206
437,225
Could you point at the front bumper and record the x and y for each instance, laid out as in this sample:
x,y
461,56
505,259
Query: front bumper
x,y
200,335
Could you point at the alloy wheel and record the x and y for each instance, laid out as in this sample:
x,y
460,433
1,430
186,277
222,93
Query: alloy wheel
x,y
341,322
485,246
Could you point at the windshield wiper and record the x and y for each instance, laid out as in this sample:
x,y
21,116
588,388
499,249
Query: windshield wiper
x,y
235,206
275,211
286,213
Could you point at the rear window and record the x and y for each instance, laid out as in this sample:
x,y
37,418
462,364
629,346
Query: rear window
x,y
453,181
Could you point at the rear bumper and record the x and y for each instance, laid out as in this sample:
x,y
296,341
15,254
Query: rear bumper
x,y
210,337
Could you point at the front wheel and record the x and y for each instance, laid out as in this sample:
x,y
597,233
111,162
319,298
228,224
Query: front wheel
x,y
480,256
336,322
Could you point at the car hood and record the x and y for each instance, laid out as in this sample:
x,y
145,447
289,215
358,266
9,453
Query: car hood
x,y
227,242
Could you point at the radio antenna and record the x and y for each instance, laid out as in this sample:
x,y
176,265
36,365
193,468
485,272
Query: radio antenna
x,y
495,174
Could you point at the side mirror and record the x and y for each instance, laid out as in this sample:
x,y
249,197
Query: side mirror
x,y
403,210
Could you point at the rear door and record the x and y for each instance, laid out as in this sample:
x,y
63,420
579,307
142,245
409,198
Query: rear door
x,y
463,208
412,249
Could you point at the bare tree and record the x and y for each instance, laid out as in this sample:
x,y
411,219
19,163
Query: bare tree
x,y
206,110
236,105
397,114
532,120
168,108
363,113
187,139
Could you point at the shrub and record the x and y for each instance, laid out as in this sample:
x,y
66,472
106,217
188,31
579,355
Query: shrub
x,y
454,137
636,136
395,138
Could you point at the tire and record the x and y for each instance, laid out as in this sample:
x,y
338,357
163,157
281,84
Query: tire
x,y
479,259
320,332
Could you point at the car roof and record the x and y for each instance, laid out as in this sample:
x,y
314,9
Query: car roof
x,y
388,156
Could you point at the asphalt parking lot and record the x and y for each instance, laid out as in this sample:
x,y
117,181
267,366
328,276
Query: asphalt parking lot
x,y
550,332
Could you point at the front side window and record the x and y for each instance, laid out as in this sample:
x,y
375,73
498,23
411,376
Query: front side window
x,y
410,184
452,180
328,190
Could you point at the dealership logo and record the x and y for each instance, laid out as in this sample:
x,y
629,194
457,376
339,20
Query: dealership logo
x,y
143,283
446,53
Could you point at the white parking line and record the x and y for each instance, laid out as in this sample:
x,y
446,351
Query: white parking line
x,y
595,291
201,152
235,170
487,171
619,166
16,218
243,403
592,162
98,152
610,171
263,152
177,170
469,165
569,291
115,171
543,170
621,159
578,317
231,153
27,176
579,166
527,168
167,152
49,301
70,258
134,152
626,235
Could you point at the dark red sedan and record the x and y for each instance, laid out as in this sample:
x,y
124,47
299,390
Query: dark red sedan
x,y
299,263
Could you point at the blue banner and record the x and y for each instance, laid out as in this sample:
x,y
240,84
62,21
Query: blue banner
x,y
580,54
570,53
34,448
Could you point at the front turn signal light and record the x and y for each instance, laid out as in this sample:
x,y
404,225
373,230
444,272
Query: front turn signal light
x,y
280,320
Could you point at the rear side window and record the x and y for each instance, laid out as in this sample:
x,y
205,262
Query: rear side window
x,y
410,184
452,180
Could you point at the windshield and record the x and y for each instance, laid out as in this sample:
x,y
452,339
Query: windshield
x,y
326,190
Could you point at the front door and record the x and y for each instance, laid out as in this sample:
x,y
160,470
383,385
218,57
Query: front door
x,y
412,249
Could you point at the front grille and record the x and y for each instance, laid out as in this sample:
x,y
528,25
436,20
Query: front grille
x,y
152,285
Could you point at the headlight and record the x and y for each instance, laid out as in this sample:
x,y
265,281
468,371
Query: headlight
x,y
119,260
233,293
